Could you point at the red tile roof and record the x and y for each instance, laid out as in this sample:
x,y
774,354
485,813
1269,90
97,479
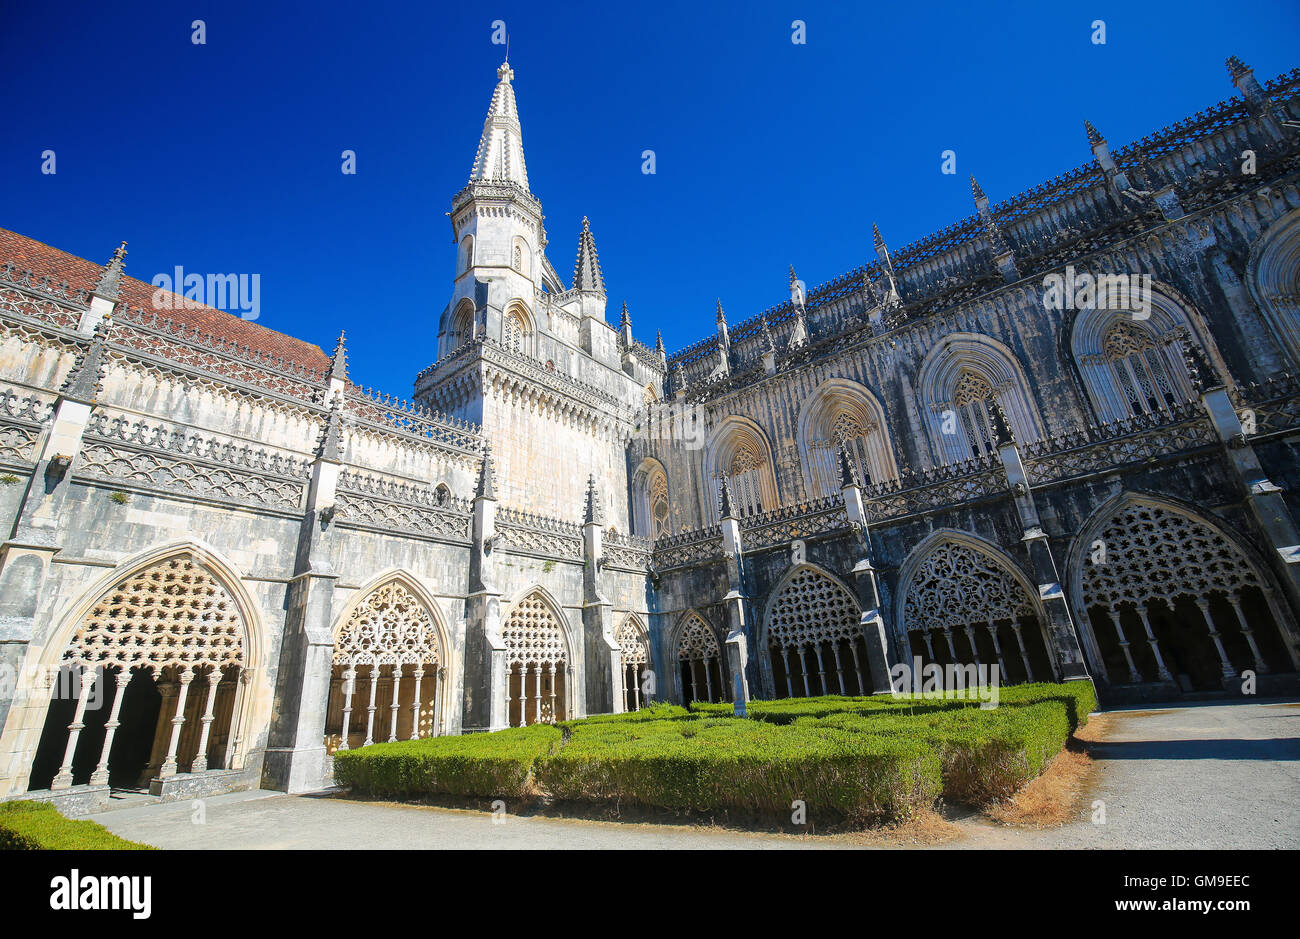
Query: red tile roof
x,y
42,260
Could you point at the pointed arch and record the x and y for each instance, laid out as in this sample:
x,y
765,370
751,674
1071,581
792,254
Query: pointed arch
x,y
698,660
739,449
392,636
811,636
1129,351
651,502
1162,589
535,633
1273,275
460,328
957,380
634,647
519,329
843,413
966,601
177,619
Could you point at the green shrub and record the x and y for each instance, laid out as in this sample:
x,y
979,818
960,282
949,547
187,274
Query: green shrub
x,y
744,766
496,764
37,826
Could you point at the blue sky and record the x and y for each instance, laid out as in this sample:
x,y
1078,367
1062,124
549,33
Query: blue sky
x,y
225,157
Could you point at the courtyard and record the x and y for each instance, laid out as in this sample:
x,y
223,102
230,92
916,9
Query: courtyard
x,y
1166,776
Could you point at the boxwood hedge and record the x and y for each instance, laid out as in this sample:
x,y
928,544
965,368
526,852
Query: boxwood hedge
x,y
851,758
38,826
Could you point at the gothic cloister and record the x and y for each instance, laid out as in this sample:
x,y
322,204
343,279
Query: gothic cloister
x,y
1167,594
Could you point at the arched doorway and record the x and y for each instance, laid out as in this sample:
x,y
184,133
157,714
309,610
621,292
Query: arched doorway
x,y
699,662
391,643
814,639
634,646
536,662
1168,596
963,605
151,683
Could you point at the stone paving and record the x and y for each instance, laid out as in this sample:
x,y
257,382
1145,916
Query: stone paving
x,y
1205,776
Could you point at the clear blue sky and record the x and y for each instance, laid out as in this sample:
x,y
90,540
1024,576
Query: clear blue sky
x,y
226,157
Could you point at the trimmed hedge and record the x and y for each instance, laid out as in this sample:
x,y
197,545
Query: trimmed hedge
x,y
496,764
857,759
37,826
745,766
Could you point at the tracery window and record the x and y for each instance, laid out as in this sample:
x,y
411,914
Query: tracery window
x,y
634,645
699,662
536,649
814,627
970,398
391,643
1139,368
516,333
658,505
746,478
169,628
977,607
1178,599
519,259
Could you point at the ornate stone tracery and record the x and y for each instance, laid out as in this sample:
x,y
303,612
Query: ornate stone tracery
x,y
535,641
812,625
699,660
389,628
634,646
1149,558
965,594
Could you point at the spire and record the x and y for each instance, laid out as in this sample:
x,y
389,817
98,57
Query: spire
x,y
623,321
83,381
594,511
331,441
981,200
111,275
768,344
721,317
796,289
1236,67
500,155
486,488
586,270
876,237
339,360
1093,136
659,344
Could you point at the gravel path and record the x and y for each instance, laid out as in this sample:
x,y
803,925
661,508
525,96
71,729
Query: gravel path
x,y
1204,776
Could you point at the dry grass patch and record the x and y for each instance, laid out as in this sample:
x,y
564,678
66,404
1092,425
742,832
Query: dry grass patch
x,y
1059,795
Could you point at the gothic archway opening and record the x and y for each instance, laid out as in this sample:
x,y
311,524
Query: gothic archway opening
x,y
388,671
699,663
634,645
963,607
1170,598
815,642
536,663
150,685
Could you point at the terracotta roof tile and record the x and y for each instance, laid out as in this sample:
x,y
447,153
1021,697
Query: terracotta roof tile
x,y
42,260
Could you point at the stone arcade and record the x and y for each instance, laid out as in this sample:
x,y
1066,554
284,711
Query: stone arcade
x,y
240,562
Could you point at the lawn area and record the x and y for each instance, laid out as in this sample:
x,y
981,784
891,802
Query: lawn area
x,y
27,825
857,760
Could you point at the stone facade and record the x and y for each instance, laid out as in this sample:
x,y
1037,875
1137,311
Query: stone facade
x,y
225,560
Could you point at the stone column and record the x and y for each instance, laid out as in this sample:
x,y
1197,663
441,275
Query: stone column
x,y
295,752
602,656
1060,625
486,672
736,602
872,620
1265,499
